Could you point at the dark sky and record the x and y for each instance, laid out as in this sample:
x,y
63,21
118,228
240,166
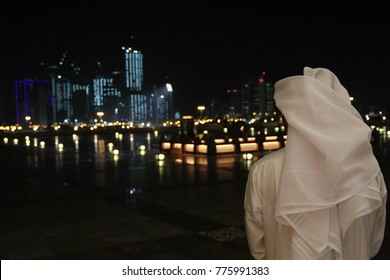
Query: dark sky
x,y
204,48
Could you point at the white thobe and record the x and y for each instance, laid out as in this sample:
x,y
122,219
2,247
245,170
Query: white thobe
x,y
268,239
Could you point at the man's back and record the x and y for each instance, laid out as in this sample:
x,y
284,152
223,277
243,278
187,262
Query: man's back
x,y
265,235
269,239
325,187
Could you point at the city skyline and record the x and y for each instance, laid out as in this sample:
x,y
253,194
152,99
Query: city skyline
x,y
204,50
65,97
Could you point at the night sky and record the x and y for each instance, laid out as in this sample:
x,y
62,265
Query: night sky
x,y
205,48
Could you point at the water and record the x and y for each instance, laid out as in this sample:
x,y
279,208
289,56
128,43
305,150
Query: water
x,y
88,162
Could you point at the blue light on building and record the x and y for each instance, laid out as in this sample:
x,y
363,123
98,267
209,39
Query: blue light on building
x,y
134,69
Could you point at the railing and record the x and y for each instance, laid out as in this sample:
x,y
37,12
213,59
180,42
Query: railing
x,y
213,146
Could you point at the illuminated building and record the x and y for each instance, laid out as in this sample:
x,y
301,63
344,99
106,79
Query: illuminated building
x,y
106,97
234,99
62,92
65,97
80,102
257,96
33,100
160,104
133,69
135,99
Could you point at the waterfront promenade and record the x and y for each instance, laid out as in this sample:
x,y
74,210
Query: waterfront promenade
x,y
85,203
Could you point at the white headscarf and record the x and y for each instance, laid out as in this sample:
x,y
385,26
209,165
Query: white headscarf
x,y
328,160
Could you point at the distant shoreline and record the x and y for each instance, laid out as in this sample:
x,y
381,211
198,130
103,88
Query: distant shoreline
x,y
69,131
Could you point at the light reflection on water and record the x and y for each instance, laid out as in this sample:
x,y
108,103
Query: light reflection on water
x,y
88,162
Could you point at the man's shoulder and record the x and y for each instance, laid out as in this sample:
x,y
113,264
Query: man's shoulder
x,y
271,157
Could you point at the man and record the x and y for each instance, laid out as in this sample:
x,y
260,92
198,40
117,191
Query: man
x,y
323,196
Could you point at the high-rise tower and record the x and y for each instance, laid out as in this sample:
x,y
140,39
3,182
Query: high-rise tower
x,y
133,69
134,76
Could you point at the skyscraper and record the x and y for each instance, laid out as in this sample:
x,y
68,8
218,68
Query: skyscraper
x,y
62,95
34,101
133,69
257,96
160,103
106,97
135,99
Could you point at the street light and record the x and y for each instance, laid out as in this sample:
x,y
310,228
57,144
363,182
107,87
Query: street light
x,y
27,119
201,108
100,115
